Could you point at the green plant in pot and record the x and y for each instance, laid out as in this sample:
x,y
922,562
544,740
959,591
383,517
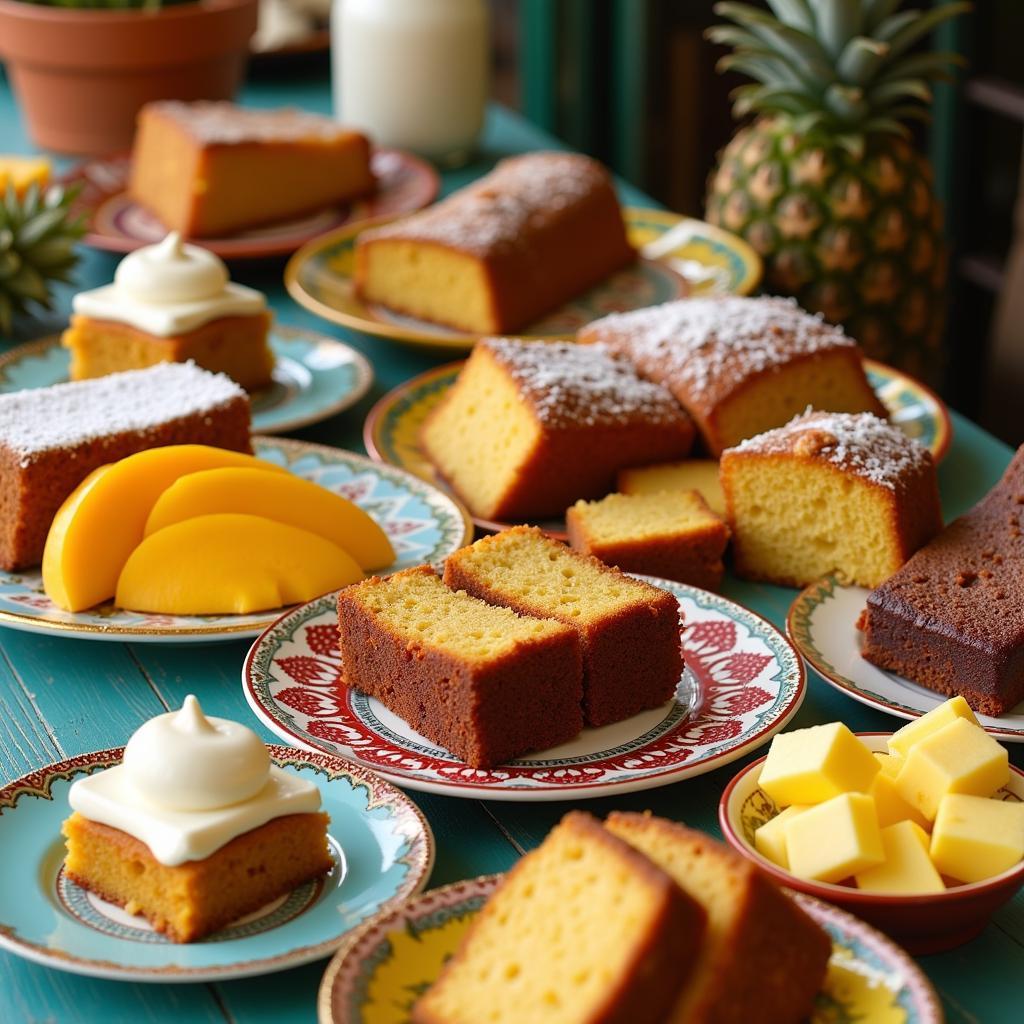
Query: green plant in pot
x,y
824,182
81,69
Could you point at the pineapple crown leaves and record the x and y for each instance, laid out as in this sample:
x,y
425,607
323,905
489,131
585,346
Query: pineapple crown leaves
x,y
838,66
38,232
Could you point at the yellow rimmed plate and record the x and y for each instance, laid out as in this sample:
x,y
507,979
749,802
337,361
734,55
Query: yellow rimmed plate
x,y
392,429
679,256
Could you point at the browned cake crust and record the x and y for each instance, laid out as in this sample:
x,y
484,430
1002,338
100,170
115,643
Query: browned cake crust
x,y
952,618
632,659
710,352
484,713
774,956
646,989
545,227
33,486
190,900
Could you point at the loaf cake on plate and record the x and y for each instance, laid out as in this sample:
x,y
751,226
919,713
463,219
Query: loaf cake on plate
x,y
952,618
52,438
209,169
529,427
482,682
738,365
699,475
501,252
829,492
628,629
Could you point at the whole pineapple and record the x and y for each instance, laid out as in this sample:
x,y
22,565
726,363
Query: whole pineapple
x,y
38,233
823,183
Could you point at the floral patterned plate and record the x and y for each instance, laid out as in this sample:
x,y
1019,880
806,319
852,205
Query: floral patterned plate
x,y
679,256
742,684
117,223
423,524
384,967
383,852
822,625
314,377
392,429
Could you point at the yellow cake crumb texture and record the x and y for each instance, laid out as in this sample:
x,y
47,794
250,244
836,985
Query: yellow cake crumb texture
x,y
699,475
654,515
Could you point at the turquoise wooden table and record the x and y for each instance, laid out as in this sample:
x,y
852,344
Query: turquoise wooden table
x,y
61,697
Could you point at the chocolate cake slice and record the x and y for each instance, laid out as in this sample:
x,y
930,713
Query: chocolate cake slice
x,y
952,618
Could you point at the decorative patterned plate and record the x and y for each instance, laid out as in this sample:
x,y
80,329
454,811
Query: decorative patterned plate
x,y
384,967
822,625
117,224
423,524
743,683
392,429
679,256
383,851
315,377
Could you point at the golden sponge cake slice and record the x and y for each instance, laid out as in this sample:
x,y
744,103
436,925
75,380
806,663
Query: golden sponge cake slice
x,y
584,930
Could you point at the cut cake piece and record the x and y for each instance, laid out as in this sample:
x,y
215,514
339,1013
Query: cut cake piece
x,y
671,534
209,169
538,230
583,930
699,475
529,427
829,492
629,630
952,618
738,365
482,682
52,438
762,959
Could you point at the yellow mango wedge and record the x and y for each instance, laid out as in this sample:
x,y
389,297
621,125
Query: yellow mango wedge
x,y
286,499
102,520
231,564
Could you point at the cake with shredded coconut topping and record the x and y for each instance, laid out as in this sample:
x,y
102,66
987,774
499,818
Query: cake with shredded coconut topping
x,y
497,255
739,365
52,438
529,427
829,492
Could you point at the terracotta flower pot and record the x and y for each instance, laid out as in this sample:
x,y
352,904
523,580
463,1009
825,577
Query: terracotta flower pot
x,y
82,75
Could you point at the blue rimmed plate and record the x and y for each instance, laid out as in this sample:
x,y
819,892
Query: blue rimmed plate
x,y
742,684
423,524
314,377
383,853
384,967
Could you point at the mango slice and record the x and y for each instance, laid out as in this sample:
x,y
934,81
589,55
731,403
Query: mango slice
x,y
102,520
286,499
231,563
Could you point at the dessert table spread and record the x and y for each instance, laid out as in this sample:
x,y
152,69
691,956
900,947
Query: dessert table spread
x,y
60,697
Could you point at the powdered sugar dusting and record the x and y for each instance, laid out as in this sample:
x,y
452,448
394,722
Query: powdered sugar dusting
x,y
585,386
65,415
856,442
218,123
708,345
496,212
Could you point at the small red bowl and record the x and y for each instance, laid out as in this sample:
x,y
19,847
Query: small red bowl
x,y
922,924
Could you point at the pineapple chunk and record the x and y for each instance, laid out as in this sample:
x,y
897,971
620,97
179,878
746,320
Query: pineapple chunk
x,y
809,766
913,732
770,838
836,839
908,869
975,838
959,758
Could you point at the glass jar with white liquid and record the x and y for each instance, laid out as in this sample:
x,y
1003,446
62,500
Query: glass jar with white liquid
x,y
412,74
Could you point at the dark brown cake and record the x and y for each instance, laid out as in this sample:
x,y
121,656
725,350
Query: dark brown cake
x,y
482,682
52,438
952,618
629,630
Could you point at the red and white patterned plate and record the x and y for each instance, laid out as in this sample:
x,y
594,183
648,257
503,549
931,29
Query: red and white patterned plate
x,y
743,683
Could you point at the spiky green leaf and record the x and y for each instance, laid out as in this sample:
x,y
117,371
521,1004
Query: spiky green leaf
x,y
929,66
921,24
846,102
886,94
767,70
876,11
838,21
795,13
861,60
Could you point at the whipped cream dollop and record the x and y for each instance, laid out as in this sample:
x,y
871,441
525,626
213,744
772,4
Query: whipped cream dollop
x,y
189,784
169,288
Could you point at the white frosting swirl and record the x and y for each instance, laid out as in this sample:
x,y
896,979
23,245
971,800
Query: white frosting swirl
x,y
169,288
188,784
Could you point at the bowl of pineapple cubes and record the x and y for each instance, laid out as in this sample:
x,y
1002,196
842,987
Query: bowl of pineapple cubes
x,y
919,832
